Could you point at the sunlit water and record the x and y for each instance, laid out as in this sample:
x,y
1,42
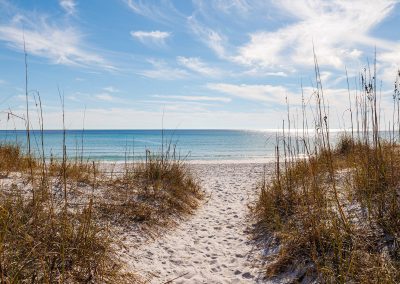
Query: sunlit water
x,y
121,145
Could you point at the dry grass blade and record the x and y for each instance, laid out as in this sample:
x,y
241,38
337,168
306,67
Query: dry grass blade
x,y
334,216
153,193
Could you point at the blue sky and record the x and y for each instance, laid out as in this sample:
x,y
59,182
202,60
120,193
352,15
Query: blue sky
x,y
204,64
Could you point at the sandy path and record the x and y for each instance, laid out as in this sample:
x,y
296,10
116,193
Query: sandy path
x,y
211,246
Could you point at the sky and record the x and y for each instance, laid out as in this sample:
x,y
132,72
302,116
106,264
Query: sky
x,y
222,64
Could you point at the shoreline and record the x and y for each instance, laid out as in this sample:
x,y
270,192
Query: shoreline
x,y
198,162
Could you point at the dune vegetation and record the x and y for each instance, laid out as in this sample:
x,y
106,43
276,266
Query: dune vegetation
x,y
59,215
57,218
331,211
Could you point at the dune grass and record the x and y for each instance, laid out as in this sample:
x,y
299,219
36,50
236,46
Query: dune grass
x,y
55,213
40,244
64,233
151,193
12,159
42,239
334,216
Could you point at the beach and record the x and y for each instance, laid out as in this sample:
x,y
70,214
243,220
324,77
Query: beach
x,y
223,141
212,245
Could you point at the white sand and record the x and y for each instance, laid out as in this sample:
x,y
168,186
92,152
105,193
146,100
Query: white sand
x,y
212,246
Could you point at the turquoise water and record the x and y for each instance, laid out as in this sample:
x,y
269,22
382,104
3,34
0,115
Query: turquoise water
x,y
118,145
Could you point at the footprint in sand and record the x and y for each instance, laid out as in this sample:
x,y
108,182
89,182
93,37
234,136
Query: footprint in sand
x,y
247,275
213,238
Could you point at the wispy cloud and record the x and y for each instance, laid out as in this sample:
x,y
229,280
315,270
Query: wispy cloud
x,y
145,9
162,71
213,39
45,42
111,89
97,98
339,30
179,105
261,93
281,42
108,95
227,6
151,37
390,63
60,44
261,72
129,118
198,66
162,11
105,97
194,98
73,98
69,6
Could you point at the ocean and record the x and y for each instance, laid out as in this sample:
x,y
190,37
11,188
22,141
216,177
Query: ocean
x,y
129,145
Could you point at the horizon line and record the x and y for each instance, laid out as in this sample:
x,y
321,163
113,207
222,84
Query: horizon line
x,y
183,129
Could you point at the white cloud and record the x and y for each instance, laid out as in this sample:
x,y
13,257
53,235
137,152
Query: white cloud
x,y
60,45
217,10
338,29
198,66
261,93
151,37
165,73
178,105
105,97
69,6
160,11
195,98
162,71
129,118
73,98
390,64
226,6
261,72
111,89
341,32
214,40
93,98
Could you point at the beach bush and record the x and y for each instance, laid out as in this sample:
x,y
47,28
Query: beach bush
x,y
12,159
54,215
55,212
42,244
334,216
152,192
42,239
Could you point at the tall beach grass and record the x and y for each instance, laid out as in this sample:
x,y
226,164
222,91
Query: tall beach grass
x,y
58,216
334,216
